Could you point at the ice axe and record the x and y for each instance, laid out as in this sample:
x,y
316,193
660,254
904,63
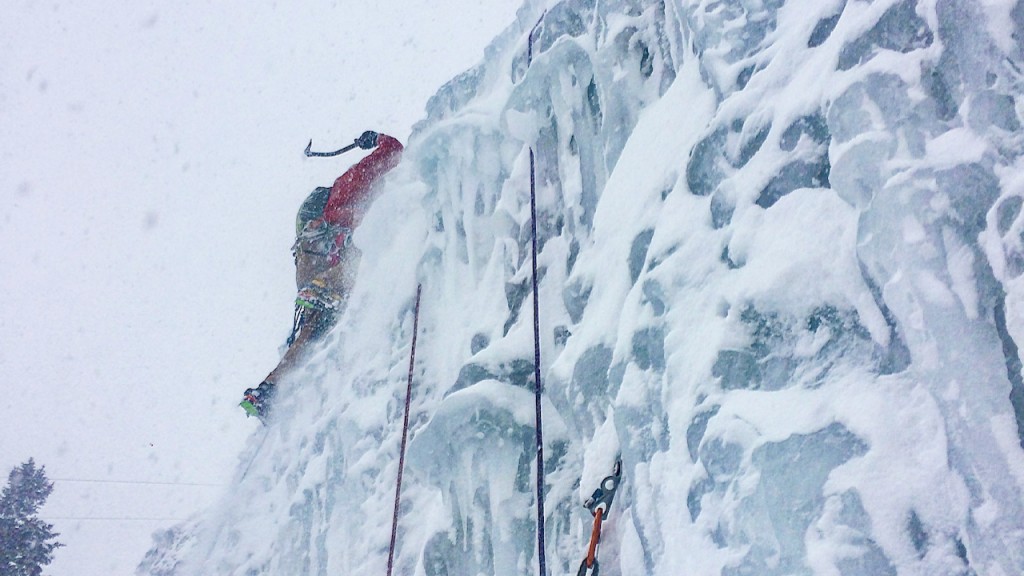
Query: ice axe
x,y
310,154
365,141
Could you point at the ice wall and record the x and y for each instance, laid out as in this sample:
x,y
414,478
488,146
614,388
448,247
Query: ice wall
x,y
781,248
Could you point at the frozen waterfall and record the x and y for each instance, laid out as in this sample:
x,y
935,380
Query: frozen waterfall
x,y
782,275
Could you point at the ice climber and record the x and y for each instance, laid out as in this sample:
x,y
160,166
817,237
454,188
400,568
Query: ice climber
x,y
325,259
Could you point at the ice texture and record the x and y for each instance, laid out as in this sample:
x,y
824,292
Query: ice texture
x,y
781,275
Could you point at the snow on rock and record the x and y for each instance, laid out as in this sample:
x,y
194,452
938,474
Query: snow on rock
x,y
781,245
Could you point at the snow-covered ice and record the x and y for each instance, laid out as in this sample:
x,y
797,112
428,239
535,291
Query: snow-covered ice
x,y
780,251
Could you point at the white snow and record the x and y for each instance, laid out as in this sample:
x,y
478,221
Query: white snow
x,y
149,171
779,279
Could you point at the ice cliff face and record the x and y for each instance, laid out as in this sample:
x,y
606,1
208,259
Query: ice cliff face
x,y
782,248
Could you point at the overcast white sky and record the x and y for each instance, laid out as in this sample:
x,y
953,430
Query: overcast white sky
x,y
150,168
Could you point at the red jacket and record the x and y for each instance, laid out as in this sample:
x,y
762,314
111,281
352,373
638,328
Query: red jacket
x,y
352,192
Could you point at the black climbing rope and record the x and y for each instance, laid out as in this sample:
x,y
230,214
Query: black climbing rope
x,y
537,387
405,431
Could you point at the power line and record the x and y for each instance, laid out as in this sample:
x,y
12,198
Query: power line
x,y
117,519
142,482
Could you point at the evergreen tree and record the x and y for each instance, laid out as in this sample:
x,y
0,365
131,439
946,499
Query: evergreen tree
x,y
26,542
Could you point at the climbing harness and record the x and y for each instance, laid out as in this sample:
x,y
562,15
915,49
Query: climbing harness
x,y
599,504
405,430
318,296
318,238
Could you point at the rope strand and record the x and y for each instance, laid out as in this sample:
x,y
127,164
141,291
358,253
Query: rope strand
x,y
405,431
537,386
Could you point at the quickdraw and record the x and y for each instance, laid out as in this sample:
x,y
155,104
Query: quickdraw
x,y
599,504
